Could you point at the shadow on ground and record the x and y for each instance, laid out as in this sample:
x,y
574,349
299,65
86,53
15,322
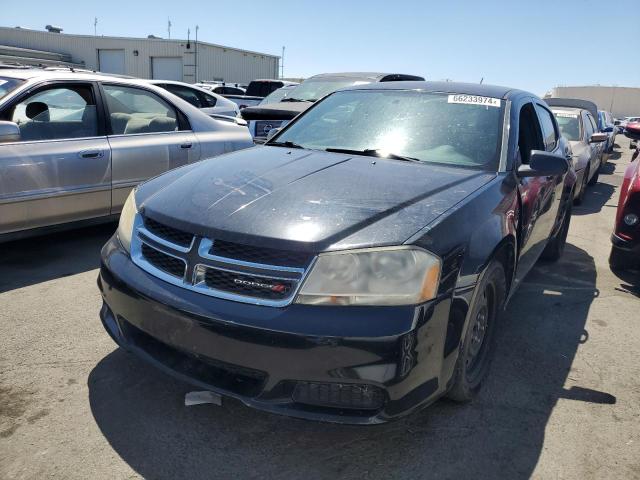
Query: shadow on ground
x,y
629,281
595,198
141,413
39,259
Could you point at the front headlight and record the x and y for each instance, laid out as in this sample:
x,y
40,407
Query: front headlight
x,y
384,276
127,218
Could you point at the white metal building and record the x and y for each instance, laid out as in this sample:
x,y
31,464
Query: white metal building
x,y
620,101
149,57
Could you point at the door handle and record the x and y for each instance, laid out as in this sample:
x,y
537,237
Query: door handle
x,y
186,145
91,154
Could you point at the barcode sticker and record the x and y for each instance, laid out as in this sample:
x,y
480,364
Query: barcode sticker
x,y
474,100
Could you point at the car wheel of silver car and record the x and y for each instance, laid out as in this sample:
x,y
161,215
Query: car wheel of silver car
x,y
583,188
595,177
555,247
478,344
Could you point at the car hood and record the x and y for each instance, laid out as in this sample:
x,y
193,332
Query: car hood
x,y
275,111
306,200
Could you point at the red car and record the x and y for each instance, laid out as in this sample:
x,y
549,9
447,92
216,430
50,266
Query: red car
x,y
625,252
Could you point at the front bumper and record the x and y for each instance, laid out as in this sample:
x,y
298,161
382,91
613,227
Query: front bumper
x,y
629,246
359,365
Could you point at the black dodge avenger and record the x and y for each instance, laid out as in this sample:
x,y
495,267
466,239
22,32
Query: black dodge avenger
x,y
354,268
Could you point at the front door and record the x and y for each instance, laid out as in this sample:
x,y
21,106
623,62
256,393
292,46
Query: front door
x,y
147,135
539,194
60,169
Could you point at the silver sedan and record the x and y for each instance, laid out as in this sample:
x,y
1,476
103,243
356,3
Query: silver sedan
x,y
73,144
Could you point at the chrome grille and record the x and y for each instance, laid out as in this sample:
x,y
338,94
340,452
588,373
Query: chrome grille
x,y
218,268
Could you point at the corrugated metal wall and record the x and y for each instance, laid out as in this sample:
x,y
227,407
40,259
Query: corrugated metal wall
x,y
620,101
214,61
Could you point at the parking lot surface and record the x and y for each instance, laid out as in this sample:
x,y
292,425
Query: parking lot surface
x,y
562,399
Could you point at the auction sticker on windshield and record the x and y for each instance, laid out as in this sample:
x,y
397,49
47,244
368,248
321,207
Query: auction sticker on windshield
x,y
474,100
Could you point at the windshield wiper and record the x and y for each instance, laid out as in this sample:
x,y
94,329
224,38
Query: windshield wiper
x,y
373,152
286,144
291,99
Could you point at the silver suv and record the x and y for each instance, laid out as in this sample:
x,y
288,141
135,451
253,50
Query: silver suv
x,y
73,144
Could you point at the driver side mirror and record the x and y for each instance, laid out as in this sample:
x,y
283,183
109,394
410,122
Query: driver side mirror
x,y
9,132
543,164
272,133
598,138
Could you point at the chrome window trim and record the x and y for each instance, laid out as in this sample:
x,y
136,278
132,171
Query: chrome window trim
x,y
55,140
506,127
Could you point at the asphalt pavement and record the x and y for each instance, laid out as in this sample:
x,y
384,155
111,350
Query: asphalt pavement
x,y
562,400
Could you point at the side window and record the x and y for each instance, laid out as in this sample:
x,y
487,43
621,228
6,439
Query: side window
x,y
588,126
548,128
57,112
186,94
593,123
207,100
529,133
135,110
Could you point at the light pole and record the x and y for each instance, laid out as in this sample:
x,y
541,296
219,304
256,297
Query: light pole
x,y
196,55
282,63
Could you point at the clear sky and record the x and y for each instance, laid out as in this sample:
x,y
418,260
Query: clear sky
x,y
534,45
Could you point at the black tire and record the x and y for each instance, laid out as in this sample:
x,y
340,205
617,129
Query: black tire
x,y
555,247
596,175
583,188
478,344
620,259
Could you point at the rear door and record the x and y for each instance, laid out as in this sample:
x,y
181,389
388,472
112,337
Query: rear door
x,y
147,135
60,169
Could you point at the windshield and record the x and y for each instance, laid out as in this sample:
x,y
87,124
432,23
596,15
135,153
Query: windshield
x,y
312,90
8,84
429,127
569,125
276,95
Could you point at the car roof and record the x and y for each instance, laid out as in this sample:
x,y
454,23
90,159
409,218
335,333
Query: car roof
x,y
478,89
571,111
371,76
284,82
59,74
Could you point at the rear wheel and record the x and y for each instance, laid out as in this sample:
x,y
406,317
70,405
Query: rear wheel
x,y
596,175
555,247
583,188
478,344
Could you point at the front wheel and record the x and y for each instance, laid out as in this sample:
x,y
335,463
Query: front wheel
x,y
620,259
478,343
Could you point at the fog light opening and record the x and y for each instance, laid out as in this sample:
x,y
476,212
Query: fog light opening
x,y
631,219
